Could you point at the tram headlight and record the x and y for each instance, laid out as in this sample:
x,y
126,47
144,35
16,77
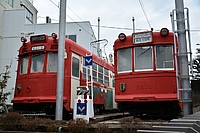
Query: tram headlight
x,y
164,31
122,36
122,87
54,35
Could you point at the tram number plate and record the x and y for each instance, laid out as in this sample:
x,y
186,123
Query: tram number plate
x,y
37,48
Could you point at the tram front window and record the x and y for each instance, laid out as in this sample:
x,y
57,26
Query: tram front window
x,y
143,58
24,65
52,62
37,62
124,60
164,57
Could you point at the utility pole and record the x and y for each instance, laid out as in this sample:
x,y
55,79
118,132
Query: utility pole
x,y
133,19
60,72
98,43
184,70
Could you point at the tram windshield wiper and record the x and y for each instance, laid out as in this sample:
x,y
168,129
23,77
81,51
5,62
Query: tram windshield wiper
x,y
146,49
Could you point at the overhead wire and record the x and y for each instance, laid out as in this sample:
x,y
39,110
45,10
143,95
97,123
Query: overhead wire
x,y
143,9
117,28
72,19
109,27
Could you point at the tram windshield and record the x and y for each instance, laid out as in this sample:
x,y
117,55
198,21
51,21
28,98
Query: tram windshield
x,y
24,64
164,57
52,62
37,62
143,58
124,60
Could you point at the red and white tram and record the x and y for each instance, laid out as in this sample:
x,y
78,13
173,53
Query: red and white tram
x,y
145,73
35,90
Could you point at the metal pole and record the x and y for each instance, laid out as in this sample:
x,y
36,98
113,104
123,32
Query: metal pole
x,y
189,41
60,73
133,19
98,43
176,54
184,70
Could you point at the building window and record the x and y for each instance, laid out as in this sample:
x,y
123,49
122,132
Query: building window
x,y
10,2
29,15
71,37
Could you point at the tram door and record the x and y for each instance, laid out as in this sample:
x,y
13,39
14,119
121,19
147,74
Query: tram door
x,y
75,74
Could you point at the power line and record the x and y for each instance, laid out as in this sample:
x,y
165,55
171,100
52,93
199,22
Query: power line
x,y
118,28
54,3
72,19
143,9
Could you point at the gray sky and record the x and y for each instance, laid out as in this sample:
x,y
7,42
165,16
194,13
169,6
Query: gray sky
x,y
118,14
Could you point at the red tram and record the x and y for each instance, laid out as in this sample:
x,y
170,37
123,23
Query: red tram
x,y
35,90
145,73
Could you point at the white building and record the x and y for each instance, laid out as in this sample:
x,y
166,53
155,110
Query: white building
x,y
19,18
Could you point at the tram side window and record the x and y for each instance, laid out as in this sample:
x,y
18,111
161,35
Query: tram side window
x,y
75,67
24,65
164,57
100,74
84,70
52,62
143,58
37,62
124,60
94,71
113,80
84,73
106,77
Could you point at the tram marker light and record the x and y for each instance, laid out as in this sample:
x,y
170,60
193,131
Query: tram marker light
x,y
23,39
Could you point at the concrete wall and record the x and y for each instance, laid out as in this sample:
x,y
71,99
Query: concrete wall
x,y
20,4
13,25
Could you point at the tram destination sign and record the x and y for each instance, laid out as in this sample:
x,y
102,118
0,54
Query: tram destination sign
x,y
38,38
143,37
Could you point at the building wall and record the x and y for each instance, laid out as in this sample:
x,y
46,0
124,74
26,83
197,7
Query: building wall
x,y
15,27
17,4
20,4
9,32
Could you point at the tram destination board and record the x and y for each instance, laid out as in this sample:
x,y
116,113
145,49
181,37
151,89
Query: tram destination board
x,y
142,37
